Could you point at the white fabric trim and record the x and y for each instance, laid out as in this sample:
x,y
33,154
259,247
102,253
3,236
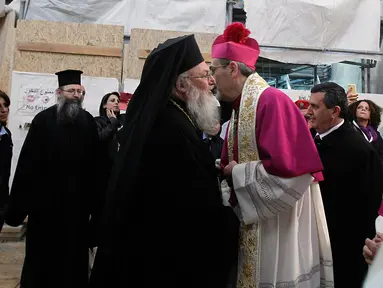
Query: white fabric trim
x,y
295,248
224,130
331,130
261,196
365,136
379,224
327,274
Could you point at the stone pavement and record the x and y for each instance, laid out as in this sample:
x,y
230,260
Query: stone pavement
x,y
11,263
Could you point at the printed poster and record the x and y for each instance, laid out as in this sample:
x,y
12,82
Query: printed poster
x,y
33,100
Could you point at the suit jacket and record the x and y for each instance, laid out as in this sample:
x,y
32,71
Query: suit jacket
x,y
352,193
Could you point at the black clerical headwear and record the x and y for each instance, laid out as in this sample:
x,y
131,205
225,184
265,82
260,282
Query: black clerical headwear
x,y
158,78
69,77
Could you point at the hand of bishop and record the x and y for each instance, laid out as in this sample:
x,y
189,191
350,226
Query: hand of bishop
x,y
370,249
228,171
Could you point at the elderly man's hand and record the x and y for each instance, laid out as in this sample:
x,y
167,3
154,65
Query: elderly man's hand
x,y
371,248
227,172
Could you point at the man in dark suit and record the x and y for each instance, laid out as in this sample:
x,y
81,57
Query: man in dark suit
x,y
352,186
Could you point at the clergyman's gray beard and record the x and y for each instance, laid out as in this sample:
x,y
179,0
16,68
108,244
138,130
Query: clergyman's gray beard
x,y
203,108
68,109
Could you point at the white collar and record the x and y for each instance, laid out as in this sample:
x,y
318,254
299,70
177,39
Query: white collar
x,y
224,130
330,130
3,131
365,136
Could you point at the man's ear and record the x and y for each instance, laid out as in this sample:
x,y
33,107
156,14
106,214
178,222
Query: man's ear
x,y
336,112
58,91
233,68
180,85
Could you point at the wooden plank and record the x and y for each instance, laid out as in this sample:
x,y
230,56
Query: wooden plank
x,y
9,229
7,50
9,233
89,35
69,49
144,53
11,263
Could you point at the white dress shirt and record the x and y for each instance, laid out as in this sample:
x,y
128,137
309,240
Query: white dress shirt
x,y
330,130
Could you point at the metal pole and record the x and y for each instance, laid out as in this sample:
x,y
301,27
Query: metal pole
x,y
286,78
368,72
230,7
363,70
366,78
22,9
315,74
370,64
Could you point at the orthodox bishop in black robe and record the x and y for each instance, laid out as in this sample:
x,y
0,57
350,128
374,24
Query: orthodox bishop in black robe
x,y
164,222
56,184
352,193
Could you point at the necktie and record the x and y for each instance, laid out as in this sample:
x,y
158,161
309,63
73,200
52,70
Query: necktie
x,y
317,139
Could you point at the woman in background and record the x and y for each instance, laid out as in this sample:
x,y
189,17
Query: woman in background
x,y
5,154
365,115
109,122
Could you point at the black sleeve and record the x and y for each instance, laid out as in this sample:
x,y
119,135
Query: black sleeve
x,y
378,146
107,128
373,189
28,164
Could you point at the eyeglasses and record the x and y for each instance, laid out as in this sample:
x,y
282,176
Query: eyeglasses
x,y
214,68
207,76
72,92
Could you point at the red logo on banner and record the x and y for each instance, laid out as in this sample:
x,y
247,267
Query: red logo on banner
x,y
31,98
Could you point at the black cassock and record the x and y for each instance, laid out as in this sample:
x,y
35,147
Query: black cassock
x,y
57,183
170,228
352,193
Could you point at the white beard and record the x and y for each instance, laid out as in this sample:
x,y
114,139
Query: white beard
x,y
203,108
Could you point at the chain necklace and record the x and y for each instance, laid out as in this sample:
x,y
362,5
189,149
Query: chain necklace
x,y
183,111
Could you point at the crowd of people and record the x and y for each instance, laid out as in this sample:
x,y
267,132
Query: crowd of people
x,y
238,188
